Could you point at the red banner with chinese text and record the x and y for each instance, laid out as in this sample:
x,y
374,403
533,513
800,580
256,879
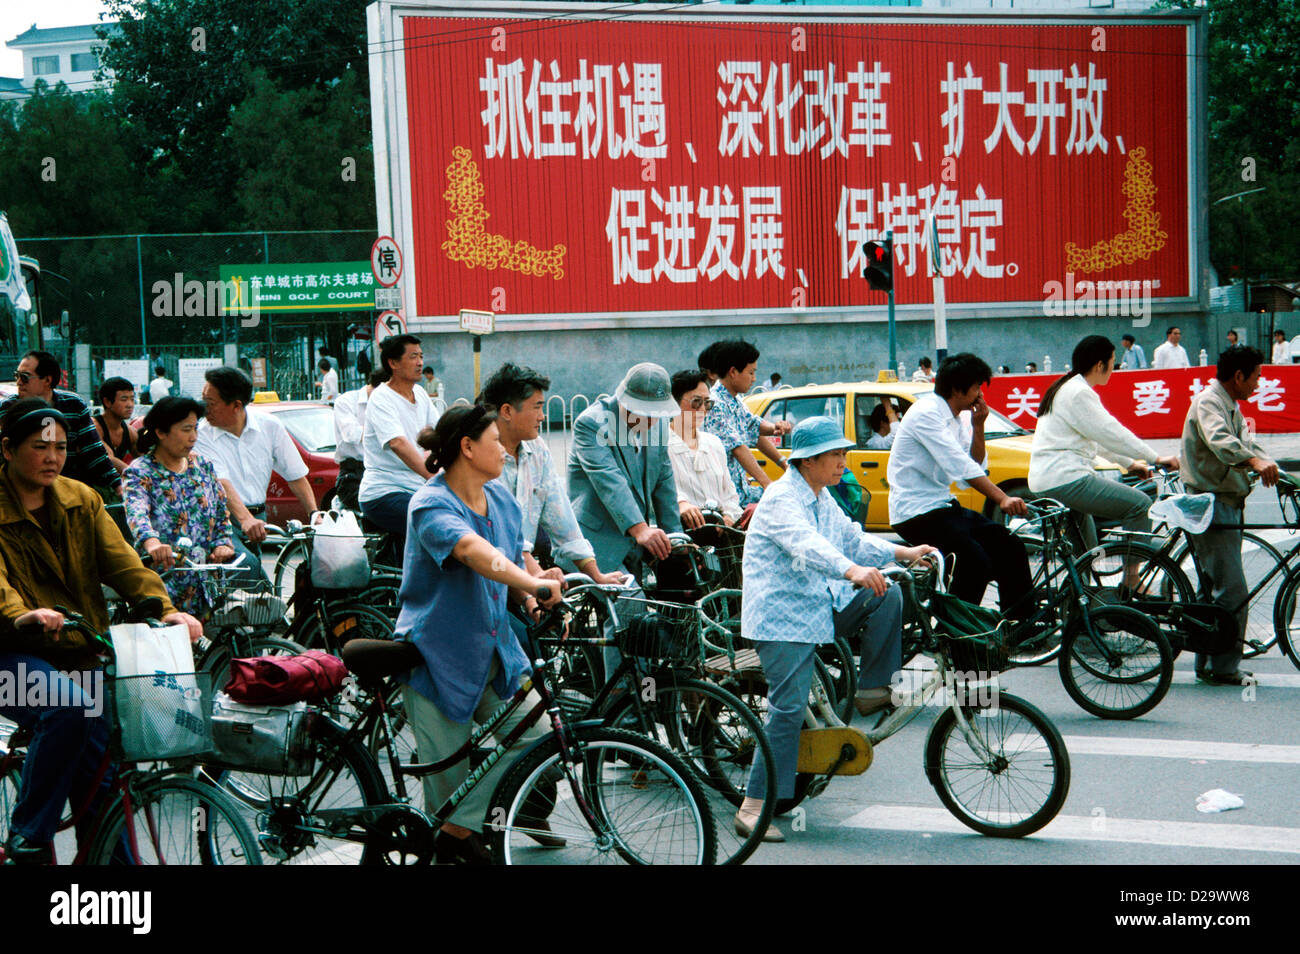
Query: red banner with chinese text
x,y
1154,404
564,166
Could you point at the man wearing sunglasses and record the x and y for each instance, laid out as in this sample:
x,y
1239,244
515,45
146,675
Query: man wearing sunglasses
x,y
88,462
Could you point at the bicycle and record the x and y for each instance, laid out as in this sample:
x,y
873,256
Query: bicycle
x,y
154,816
1115,662
657,690
997,763
627,798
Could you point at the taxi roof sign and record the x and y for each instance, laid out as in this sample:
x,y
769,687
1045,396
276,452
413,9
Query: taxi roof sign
x,y
887,376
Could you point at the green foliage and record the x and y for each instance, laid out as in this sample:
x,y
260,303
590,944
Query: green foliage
x,y
1254,135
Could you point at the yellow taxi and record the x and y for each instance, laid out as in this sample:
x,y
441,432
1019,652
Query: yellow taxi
x,y
1006,443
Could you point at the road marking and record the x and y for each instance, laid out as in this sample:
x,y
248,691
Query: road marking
x,y
1142,831
1179,749
1280,680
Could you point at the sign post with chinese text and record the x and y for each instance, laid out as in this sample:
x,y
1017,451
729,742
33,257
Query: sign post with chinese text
x,y
478,324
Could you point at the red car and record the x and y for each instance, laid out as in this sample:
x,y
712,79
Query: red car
x,y
311,425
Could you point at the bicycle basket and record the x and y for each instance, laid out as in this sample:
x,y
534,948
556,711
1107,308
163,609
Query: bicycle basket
x,y
667,632
160,716
244,605
974,636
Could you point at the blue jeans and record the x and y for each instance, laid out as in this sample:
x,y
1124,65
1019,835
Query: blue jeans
x,y
67,748
788,668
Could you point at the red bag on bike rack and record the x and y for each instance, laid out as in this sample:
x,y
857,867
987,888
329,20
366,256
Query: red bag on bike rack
x,y
280,680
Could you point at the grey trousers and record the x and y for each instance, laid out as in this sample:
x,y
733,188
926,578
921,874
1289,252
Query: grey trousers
x,y
1109,499
438,737
878,622
1219,554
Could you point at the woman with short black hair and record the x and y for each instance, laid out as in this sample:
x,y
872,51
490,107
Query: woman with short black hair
x,y
171,492
462,565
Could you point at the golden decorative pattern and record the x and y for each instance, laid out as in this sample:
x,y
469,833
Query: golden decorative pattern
x,y
469,240
1143,237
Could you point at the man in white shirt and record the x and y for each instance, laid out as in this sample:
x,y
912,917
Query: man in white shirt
x,y
1171,354
349,427
519,395
883,424
924,373
1281,348
159,387
934,447
1135,359
329,382
398,410
244,446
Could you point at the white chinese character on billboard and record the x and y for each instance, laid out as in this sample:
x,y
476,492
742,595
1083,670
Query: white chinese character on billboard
x,y
1023,402
1150,397
1268,396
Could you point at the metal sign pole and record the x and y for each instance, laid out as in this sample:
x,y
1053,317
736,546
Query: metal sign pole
x,y
893,332
478,348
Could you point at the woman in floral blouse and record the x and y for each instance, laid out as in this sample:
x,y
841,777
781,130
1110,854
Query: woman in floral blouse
x,y
173,493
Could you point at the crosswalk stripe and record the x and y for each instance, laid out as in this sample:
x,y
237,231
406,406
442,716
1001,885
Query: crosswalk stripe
x,y
1181,749
1279,680
1143,831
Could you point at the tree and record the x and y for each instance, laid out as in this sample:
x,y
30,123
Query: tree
x,y
182,68
304,155
1254,134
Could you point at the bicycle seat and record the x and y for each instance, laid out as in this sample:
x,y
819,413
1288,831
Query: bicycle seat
x,y
375,659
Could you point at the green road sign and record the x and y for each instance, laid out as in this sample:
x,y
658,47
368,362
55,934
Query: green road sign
x,y
320,286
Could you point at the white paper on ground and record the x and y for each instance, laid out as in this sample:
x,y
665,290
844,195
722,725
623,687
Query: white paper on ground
x,y
1218,800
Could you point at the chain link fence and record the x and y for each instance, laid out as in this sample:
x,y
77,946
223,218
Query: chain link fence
x,y
120,293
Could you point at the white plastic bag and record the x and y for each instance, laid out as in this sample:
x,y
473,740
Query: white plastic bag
x,y
338,556
157,701
1218,800
1191,512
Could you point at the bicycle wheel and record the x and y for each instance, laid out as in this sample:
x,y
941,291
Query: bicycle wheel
x,y
1015,787
176,820
283,809
1123,671
235,646
9,784
1260,560
1285,625
646,805
286,565
719,737
346,620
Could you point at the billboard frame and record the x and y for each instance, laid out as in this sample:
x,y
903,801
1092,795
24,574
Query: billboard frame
x,y
392,146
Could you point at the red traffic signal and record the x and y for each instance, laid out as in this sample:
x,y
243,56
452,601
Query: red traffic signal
x,y
879,271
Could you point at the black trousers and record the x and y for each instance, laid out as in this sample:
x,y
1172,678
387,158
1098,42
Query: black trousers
x,y
349,482
984,551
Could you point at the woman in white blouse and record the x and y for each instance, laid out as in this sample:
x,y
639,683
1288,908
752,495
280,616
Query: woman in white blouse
x,y
698,459
1073,428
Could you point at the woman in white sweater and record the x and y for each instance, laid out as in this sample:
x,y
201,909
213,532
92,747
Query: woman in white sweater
x,y
1073,428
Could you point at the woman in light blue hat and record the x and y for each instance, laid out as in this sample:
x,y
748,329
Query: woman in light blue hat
x,y
811,573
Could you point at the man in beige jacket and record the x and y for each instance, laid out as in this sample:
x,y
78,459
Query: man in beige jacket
x,y
1219,451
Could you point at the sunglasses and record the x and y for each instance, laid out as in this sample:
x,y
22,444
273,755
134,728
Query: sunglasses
x,y
701,403
22,377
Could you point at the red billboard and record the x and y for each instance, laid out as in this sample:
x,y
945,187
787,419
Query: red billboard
x,y
1153,404
655,162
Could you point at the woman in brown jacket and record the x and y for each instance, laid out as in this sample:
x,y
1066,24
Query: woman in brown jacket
x,y
57,545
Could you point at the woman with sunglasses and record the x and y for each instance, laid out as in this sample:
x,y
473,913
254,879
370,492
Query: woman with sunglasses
x,y
698,457
463,563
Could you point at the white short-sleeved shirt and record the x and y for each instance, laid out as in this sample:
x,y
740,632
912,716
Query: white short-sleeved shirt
x,y
390,415
329,386
247,460
159,388
931,451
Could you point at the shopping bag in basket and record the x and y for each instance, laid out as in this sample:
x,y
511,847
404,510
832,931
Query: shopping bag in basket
x,y
338,556
157,701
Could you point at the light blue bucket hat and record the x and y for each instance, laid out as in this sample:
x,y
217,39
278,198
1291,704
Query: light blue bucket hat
x,y
816,435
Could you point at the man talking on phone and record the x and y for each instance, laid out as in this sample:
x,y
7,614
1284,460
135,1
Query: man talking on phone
x,y
940,441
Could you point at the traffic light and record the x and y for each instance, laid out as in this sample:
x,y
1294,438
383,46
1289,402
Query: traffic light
x,y
879,271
